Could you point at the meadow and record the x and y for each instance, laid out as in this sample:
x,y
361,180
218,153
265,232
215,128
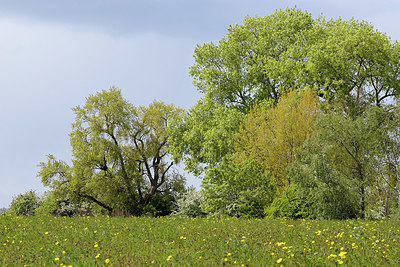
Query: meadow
x,y
90,241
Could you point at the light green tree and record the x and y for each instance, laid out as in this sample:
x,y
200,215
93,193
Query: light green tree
x,y
203,136
339,170
261,59
271,135
119,153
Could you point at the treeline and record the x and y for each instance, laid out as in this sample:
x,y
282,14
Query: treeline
x,y
299,117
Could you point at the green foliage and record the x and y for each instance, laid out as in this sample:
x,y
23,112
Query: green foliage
x,y
160,205
340,165
48,205
3,211
270,136
119,154
348,63
24,204
188,204
254,61
289,205
242,189
203,135
266,56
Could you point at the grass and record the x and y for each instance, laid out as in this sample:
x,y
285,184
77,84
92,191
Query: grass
x,y
89,241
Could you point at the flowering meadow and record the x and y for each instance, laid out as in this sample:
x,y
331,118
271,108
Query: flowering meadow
x,y
89,241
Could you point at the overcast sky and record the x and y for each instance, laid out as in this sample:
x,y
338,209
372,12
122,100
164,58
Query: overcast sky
x,y
53,54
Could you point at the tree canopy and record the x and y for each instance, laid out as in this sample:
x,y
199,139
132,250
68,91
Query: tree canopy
x,y
240,119
265,56
120,157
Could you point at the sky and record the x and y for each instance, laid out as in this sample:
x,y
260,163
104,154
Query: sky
x,y
53,54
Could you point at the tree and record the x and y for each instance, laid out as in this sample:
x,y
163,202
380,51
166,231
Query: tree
x,y
270,136
261,59
119,153
203,136
254,61
247,180
266,56
340,167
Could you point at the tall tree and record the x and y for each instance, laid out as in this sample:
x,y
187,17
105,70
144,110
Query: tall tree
x,y
254,61
271,136
344,162
203,136
264,57
119,152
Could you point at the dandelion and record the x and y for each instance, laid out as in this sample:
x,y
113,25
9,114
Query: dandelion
x,y
339,262
226,260
57,259
97,256
107,261
169,258
279,260
342,254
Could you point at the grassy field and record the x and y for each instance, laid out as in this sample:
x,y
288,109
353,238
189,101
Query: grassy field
x,y
89,241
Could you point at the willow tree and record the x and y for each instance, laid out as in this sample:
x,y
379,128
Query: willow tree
x,y
119,152
350,165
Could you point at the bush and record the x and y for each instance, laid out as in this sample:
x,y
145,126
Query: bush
x,y
48,205
376,212
290,205
160,205
189,204
24,204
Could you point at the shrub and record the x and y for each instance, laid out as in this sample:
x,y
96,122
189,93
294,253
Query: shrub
x,y
160,205
189,204
24,204
290,205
